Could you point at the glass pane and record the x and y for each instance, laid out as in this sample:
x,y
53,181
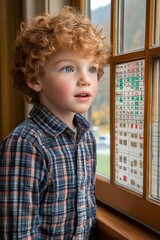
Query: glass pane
x,y
155,131
156,23
100,111
129,121
130,25
100,14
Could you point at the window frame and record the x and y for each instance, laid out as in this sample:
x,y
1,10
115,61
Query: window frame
x,y
154,87
107,191
138,207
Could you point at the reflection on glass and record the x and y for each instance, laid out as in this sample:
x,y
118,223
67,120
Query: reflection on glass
x,y
129,121
155,131
100,111
130,25
156,23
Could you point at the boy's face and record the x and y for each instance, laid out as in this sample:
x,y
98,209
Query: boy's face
x,y
69,84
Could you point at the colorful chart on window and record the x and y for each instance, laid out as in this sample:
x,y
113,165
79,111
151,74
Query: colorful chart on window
x,y
129,122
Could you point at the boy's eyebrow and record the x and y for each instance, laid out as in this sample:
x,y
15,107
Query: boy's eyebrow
x,y
71,60
64,60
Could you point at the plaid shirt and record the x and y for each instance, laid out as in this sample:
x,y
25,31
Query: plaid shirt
x,y
47,180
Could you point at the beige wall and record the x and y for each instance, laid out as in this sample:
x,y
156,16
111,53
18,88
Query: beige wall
x,y
32,8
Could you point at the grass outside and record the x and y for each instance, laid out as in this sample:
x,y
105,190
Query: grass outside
x,y
103,165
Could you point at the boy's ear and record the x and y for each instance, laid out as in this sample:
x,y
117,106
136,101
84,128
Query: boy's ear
x,y
34,86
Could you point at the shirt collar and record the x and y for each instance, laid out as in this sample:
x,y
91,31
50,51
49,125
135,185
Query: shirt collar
x,y
51,124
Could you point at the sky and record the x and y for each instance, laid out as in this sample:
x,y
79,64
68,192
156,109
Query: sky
x,y
99,3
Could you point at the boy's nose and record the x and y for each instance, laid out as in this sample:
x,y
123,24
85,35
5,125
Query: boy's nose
x,y
83,80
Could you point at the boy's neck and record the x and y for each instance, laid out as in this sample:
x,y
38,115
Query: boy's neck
x,y
68,120
66,117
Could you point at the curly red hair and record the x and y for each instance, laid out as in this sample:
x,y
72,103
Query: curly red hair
x,y
44,35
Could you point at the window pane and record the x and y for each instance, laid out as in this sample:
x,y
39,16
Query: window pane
x,y
155,131
156,23
100,13
130,25
100,111
100,122
129,121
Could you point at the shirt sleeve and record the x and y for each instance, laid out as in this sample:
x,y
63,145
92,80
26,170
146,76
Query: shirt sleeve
x,y
23,176
92,189
94,163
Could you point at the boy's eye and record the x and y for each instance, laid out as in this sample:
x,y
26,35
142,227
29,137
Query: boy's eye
x,y
93,70
67,69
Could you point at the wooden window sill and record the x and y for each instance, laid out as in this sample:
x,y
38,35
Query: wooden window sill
x,y
114,225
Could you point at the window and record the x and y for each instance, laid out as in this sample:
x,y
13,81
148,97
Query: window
x,y
154,164
126,114
100,111
156,23
130,25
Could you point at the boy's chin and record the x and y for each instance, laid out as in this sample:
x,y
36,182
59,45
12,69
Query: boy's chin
x,y
82,111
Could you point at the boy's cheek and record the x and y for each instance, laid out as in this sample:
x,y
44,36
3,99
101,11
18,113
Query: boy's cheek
x,y
63,90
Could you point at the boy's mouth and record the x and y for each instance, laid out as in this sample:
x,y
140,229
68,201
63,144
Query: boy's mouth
x,y
83,96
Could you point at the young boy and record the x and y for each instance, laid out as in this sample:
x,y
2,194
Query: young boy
x,y
48,163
